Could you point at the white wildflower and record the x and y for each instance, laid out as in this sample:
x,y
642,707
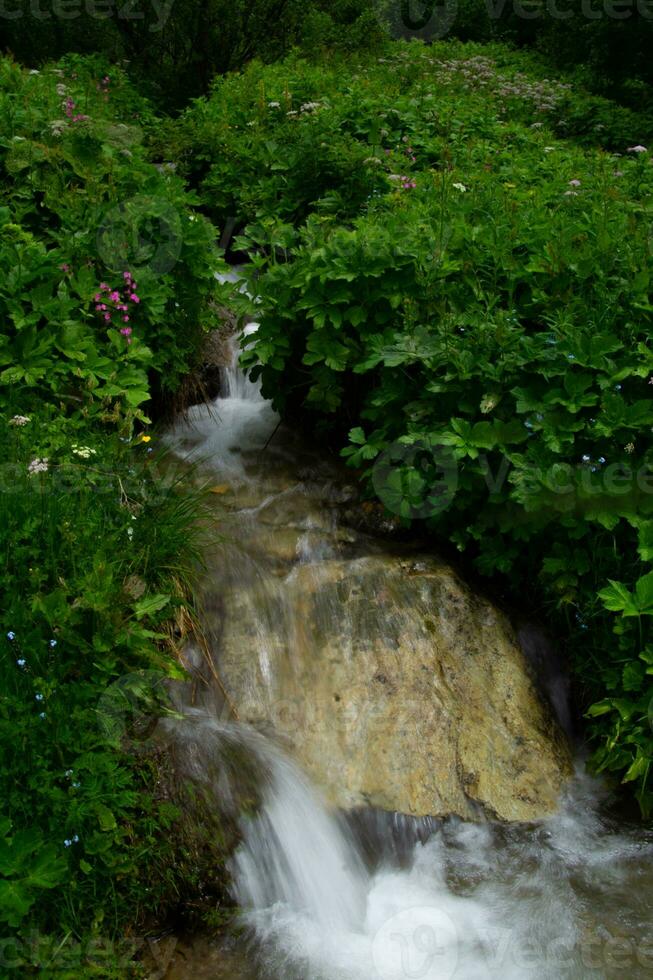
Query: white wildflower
x,y
38,465
460,187
85,452
61,89
274,105
19,420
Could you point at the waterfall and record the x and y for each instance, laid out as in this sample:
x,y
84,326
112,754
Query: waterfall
x,y
382,896
466,901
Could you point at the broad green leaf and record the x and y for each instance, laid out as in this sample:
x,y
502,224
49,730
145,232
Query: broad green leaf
x,y
149,605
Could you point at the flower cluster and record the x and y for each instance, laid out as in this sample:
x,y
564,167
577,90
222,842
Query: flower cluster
x,y
19,420
85,452
406,182
38,465
69,110
103,87
479,72
409,151
110,302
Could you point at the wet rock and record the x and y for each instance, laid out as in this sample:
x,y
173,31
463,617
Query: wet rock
x,y
395,687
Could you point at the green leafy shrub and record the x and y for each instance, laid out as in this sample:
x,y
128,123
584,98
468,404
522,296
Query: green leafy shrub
x,y
106,288
84,209
173,50
485,306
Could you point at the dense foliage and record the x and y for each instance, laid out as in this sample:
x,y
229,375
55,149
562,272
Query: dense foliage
x,y
107,276
607,43
469,296
455,288
175,48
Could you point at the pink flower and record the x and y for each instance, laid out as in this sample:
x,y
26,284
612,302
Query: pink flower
x,y
115,296
97,297
125,319
107,316
125,331
637,149
126,275
103,285
134,298
574,183
65,267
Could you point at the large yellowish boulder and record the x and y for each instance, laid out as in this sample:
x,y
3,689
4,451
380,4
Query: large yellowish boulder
x,y
391,683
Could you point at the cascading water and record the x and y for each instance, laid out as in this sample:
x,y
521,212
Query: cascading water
x,y
385,897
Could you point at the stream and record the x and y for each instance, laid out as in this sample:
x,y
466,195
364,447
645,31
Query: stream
x,y
368,894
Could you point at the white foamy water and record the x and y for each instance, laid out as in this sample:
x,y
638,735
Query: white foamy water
x,y
236,426
568,897
387,898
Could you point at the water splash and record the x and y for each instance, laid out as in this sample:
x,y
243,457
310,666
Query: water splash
x,y
549,901
386,897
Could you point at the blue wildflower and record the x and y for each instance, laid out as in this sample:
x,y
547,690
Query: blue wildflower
x,y
75,839
601,459
586,459
53,643
38,697
67,843
21,662
11,635
42,714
